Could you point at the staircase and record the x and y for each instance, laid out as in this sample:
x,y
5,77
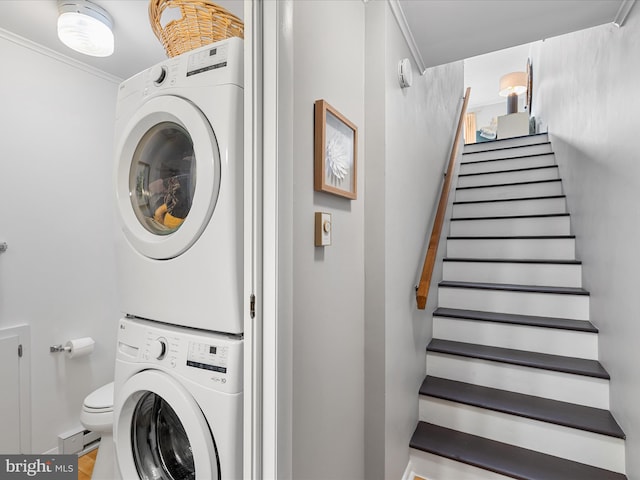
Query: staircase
x,y
513,386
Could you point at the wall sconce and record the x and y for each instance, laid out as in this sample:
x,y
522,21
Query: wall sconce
x,y
511,85
85,28
405,73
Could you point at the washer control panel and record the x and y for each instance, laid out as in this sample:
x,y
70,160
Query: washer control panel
x,y
207,358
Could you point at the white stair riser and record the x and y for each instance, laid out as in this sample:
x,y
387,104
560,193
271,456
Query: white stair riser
x,y
517,176
519,337
435,467
541,206
523,226
538,274
506,153
565,387
513,248
507,143
509,164
509,191
519,303
580,446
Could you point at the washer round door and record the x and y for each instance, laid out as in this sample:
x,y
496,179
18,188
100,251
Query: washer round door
x,y
167,176
160,432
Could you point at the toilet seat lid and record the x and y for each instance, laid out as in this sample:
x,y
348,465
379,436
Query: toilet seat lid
x,y
102,398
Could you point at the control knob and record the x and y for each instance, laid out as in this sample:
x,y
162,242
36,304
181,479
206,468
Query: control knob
x,y
158,74
158,348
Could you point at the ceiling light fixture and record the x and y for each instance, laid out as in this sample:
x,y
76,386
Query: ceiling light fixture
x,y
85,27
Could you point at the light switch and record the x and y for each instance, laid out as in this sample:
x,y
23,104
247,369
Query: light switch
x,y
323,229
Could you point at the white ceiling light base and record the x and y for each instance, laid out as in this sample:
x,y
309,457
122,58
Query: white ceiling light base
x,y
85,27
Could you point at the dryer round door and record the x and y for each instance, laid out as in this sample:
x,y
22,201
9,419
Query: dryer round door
x,y
160,432
167,176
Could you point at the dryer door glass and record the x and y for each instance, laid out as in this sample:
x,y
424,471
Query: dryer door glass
x,y
161,449
162,178
162,210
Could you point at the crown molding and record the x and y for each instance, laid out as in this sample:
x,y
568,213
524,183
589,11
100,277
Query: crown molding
x,y
623,12
398,13
36,47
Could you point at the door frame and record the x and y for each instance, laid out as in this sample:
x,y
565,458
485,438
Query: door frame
x,y
268,235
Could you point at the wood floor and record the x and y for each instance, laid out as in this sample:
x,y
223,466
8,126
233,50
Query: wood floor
x,y
85,465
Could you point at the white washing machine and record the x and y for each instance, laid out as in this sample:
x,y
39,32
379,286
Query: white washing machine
x,y
178,403
179,195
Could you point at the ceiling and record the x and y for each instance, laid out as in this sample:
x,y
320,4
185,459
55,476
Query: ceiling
x,y
444,30
136,46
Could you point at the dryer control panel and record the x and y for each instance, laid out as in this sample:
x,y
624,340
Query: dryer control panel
x,y
216,64
208,59
207,358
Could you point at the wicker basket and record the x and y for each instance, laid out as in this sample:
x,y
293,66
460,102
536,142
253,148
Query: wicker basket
x,y
203,22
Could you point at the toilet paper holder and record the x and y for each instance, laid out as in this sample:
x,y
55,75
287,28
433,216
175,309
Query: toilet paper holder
x,y
78,347
59,348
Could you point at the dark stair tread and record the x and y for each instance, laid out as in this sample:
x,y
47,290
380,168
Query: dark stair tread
x,y
511,217
528,320
511,170
544,361
509,184
516,199
475,162
515,288
502,458
492,143
581,417
512,237
542,261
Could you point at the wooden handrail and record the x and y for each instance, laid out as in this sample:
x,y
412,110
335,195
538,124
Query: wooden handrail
x,y
430,259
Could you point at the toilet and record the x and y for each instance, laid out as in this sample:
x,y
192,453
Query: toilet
x,y
97,416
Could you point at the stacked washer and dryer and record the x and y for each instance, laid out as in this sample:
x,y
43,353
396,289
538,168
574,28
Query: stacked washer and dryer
x,y
178,175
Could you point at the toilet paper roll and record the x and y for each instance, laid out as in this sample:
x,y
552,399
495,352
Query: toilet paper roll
x,y
79,347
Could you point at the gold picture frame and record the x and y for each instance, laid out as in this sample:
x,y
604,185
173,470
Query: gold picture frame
x,y
335,152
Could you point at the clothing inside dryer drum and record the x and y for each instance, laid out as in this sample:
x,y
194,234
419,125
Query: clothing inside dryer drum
x,y
161,449
162,178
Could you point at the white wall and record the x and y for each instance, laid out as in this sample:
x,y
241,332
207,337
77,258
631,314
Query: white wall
x,y
587,94
409,137
327,283
56,209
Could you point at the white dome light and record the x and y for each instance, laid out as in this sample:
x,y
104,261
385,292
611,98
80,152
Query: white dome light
x,y
85,27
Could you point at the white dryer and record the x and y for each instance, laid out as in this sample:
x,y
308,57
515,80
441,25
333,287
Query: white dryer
x,y
178,403
179,196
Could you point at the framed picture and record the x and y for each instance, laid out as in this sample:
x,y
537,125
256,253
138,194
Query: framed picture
x,y
335,152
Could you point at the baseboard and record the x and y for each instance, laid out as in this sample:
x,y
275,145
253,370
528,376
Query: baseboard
x,y
408,472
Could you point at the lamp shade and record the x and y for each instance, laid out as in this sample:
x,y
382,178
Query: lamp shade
x,y
85,27
514,82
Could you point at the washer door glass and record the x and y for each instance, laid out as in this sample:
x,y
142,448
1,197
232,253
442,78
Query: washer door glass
x,y
162,179
160,432
161,448
167,176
